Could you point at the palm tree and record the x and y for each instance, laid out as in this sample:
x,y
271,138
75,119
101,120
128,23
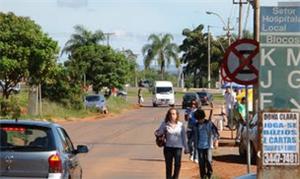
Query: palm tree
x,y
162,50
82,37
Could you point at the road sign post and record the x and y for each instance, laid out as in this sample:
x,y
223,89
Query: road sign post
x,y
279,88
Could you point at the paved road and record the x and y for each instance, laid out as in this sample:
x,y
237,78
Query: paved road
x,y
122,147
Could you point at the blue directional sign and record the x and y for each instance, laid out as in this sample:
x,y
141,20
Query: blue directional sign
x,y
279,72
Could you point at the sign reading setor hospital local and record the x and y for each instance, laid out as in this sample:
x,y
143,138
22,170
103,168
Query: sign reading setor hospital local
x,y
280,138
279,74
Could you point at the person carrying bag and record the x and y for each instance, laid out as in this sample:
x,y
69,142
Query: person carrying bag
x,y
175,141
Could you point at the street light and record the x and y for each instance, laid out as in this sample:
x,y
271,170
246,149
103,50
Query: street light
x,y
226,26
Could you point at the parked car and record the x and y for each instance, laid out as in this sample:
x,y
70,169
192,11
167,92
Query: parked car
x,y
36,149
205,97
15,89
253,137
97,101
144,84
187,99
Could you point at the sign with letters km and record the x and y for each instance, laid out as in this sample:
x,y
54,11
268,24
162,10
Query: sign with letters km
x,y
279,72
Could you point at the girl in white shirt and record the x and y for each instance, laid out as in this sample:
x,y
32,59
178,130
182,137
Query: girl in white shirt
x,y
175,142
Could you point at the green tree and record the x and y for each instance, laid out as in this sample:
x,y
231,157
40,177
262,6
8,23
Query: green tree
x,y
194,48
162,50
25,52
104,66
82,37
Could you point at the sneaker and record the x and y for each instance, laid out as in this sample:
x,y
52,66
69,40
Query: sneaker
x,y
196,161
191,158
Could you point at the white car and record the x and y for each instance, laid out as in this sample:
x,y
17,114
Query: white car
x,y
163,93
15,89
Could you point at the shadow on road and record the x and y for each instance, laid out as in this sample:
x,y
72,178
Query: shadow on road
x,y
231,158
148,160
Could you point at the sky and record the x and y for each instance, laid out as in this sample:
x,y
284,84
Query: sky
x,y
131,21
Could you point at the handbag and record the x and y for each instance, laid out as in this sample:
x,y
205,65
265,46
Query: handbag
x,y
161,140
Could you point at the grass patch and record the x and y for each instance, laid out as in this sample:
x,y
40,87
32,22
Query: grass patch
x,y
218,97
117,105
55,111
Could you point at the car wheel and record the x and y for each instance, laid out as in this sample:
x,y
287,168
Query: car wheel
x,y
154,105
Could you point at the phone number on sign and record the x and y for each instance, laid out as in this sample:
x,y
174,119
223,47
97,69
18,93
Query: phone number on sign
x,y
281,159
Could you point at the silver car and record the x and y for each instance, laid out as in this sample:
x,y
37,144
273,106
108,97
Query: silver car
x,y
36,149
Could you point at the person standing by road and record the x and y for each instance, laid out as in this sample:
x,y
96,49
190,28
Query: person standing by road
x,y
174,131
230,100
241,109
191,120
140,96
206,137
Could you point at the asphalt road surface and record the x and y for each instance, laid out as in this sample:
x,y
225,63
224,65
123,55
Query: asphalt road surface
x,y
123,147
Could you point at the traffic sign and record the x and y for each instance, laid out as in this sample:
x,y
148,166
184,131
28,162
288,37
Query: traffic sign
x,y
280,56
241,61
224,75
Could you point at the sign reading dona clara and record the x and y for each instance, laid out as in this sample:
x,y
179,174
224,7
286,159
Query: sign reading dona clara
x,y
280,138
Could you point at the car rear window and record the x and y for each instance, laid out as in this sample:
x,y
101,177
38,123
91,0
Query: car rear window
x,y
92,98
25,138
189,96
202,94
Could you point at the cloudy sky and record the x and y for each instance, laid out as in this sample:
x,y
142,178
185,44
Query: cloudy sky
x,y
131,21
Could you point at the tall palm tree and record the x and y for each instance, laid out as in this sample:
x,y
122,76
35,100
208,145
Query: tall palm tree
x,y
162,50
82,37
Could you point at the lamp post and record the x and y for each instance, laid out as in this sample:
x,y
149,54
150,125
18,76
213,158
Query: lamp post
x,y
208,55
226,26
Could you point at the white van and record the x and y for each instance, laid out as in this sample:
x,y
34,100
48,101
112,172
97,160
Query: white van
x,y
163,93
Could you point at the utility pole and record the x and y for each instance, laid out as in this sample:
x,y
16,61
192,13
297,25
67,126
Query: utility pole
x,y
208,55
240,35
108,34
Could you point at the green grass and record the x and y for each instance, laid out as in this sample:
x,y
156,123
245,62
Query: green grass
x,y
116,105
53,111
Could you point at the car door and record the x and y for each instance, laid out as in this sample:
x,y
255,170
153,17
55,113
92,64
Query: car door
x,y
71,161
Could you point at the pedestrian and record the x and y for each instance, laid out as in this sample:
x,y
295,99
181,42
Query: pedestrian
x,y
174,131
206,136
230,100
241,115
140,96
191,122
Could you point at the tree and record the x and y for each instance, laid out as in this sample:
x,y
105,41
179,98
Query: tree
x,y
104,67
25,52
82,37
194,48
162,50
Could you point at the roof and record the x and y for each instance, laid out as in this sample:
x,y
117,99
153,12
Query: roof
x,y
28,122
159,83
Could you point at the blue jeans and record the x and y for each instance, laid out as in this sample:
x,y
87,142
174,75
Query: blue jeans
x,y
191,144
205,161
171,154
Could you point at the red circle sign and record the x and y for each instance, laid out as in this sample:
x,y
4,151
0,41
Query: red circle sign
x,y
224,75
241,61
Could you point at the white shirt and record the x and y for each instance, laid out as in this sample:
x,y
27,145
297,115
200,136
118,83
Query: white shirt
x,y
175,134
230,100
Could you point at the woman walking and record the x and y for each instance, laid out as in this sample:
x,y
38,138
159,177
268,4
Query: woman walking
x,y
174,131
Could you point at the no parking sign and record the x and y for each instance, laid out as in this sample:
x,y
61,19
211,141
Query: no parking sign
x,y
241,61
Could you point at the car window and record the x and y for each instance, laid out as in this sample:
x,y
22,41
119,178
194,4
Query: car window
x,y
190,96
26,138
163,89
92,98
202,94
66,141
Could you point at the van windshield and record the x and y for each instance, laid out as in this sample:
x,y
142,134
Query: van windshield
x,y
163,89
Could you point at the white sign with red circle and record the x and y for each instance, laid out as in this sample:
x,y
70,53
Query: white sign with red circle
x,y
241,61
